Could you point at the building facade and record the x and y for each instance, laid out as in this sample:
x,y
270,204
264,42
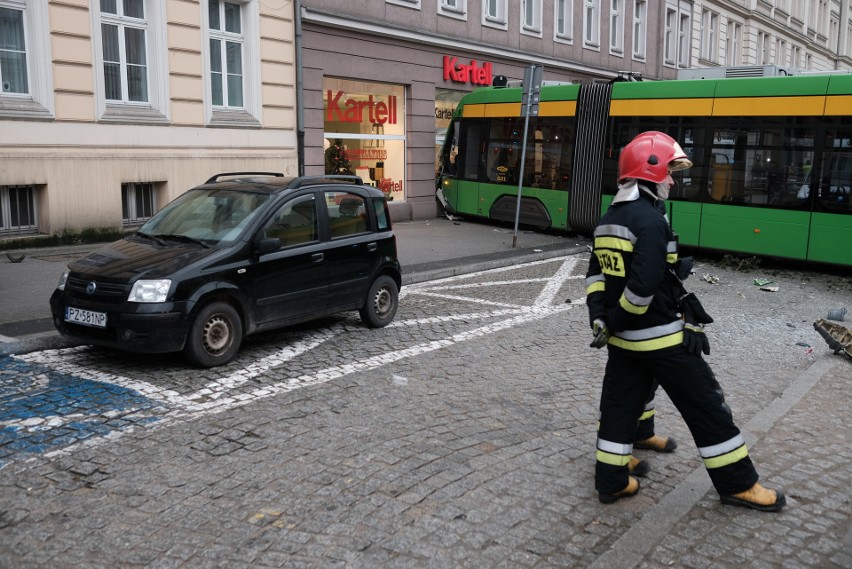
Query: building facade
x,y
111,108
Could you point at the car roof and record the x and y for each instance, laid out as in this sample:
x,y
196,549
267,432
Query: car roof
x,y
274,182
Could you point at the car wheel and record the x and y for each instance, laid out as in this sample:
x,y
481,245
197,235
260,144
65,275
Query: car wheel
x,y
214,336
381,303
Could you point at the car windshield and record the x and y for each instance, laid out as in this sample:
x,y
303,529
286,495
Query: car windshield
x,y
210,216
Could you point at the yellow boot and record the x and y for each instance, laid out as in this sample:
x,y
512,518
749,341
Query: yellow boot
x,y
657,443
638,467
758,498
630,490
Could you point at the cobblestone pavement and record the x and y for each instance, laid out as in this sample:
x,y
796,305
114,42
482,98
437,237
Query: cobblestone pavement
x,y
460,436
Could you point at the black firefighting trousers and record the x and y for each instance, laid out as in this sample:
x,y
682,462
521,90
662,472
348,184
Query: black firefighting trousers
x,y
690,384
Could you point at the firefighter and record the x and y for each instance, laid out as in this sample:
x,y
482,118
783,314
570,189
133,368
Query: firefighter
x,y
654,331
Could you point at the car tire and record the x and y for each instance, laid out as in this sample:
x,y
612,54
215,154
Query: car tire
x,y
214,336
381,303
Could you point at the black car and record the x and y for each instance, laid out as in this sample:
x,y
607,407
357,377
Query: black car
x,y
243,253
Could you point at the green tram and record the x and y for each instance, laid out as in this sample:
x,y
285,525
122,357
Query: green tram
x,y
772,159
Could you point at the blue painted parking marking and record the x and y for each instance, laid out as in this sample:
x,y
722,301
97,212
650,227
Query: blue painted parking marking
x,y
43,410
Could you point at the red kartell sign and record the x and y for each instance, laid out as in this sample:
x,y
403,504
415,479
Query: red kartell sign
x,y
374,109
466,73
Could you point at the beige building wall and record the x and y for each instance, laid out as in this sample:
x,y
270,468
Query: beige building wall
x,y
76,154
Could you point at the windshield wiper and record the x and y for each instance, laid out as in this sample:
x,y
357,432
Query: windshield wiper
x,y
153,238
184,238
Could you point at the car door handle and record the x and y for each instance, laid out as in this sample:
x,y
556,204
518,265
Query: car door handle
x,y
317,257
372,246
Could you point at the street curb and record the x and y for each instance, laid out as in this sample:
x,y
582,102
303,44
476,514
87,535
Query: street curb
x,y
444,269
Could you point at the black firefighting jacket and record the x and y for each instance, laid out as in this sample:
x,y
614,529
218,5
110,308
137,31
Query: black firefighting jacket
x,y
626,284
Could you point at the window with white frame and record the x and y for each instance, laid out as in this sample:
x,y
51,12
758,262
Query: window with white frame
x,y
795,56
670,39
732,43
414,4
531,16
563,20
232,62
684,29
640,28
125,60
762,48
709,35
591,24
131,61
18,210
780,51
138,202
226,54
616,27
822,16
13,52
833,30
453,8
678,34
25,70
494,13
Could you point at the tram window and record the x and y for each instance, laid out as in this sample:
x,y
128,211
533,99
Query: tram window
x,y
548,152
688,132
762,163
470,150
835,189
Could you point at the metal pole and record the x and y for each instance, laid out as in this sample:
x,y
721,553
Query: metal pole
x,y
521,175
300,90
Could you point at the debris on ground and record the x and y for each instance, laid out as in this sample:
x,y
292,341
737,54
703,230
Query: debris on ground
x,y
712,279
838,314
762,282
838,338
769,288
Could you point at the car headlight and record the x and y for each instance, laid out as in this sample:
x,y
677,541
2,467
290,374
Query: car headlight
x,y
63,279
150,290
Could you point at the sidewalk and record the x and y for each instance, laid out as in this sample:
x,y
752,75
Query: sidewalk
x,y
427,249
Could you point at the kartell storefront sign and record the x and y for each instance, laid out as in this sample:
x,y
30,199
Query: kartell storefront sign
x,y
471,72
374,109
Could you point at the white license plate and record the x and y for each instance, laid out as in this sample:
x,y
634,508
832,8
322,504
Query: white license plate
x,y
85,317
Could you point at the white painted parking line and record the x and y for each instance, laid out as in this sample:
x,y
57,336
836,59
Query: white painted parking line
x,y
222,394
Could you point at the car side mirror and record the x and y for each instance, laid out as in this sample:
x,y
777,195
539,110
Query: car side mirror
x,y
268,245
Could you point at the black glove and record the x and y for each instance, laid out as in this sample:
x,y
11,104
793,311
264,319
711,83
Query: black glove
x,y
693,312
601,333
695,340
683,267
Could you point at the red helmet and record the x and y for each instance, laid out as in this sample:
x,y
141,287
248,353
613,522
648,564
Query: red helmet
x,y
651,156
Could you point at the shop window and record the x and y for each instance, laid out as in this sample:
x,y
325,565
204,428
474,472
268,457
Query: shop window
x,y
18,210
25,70
365,133
138,203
